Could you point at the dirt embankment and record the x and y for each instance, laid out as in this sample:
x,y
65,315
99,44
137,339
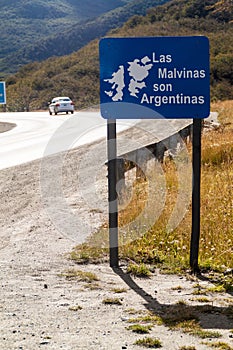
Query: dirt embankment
x,y
41,309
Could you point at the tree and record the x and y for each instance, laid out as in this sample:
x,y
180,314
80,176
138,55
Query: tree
x,y
20,96
223,10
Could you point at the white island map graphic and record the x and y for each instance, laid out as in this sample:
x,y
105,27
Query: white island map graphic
x,y
138,71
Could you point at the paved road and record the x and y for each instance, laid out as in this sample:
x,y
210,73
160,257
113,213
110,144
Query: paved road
x,y
38,134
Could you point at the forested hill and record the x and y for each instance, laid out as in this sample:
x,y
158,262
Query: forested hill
x,y
77,75
25,22
37,29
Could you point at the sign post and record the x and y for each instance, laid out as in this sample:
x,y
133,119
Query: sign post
x,y
155,78
196,195
112,193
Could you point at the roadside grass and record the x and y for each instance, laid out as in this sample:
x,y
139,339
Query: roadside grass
x,y
220,346
177,317
86,253
139,270
149,342
112,301
150,318
202,300
170,250
140,329
82,276
178,288
119,290
192,327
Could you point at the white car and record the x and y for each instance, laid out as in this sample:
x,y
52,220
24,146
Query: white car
x,y
61,105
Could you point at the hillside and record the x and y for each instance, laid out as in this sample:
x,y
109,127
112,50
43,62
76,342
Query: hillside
x,y
36,30
77,75
25,23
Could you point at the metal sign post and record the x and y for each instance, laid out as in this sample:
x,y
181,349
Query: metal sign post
x,y
196,195
112,193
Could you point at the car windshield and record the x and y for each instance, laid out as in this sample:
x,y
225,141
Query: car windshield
x,y
64,99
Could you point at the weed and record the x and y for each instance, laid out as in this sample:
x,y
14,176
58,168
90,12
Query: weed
x,y
132,311
149,343
85,253
92,286
140,329
216,289
187,347
228,286
179,288
193,327
217,154
119,290
139,270
75,308
203,334
202,300
220,346
79,275
112,301
199,290
154,319
223,282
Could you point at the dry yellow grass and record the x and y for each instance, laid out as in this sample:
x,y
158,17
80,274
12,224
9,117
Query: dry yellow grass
x,y
171,248
216,243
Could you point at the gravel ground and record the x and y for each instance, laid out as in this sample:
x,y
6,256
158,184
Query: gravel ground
x,y
6,126
40,308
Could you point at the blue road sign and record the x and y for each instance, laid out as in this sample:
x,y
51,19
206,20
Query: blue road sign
x,y
2,93
154,77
